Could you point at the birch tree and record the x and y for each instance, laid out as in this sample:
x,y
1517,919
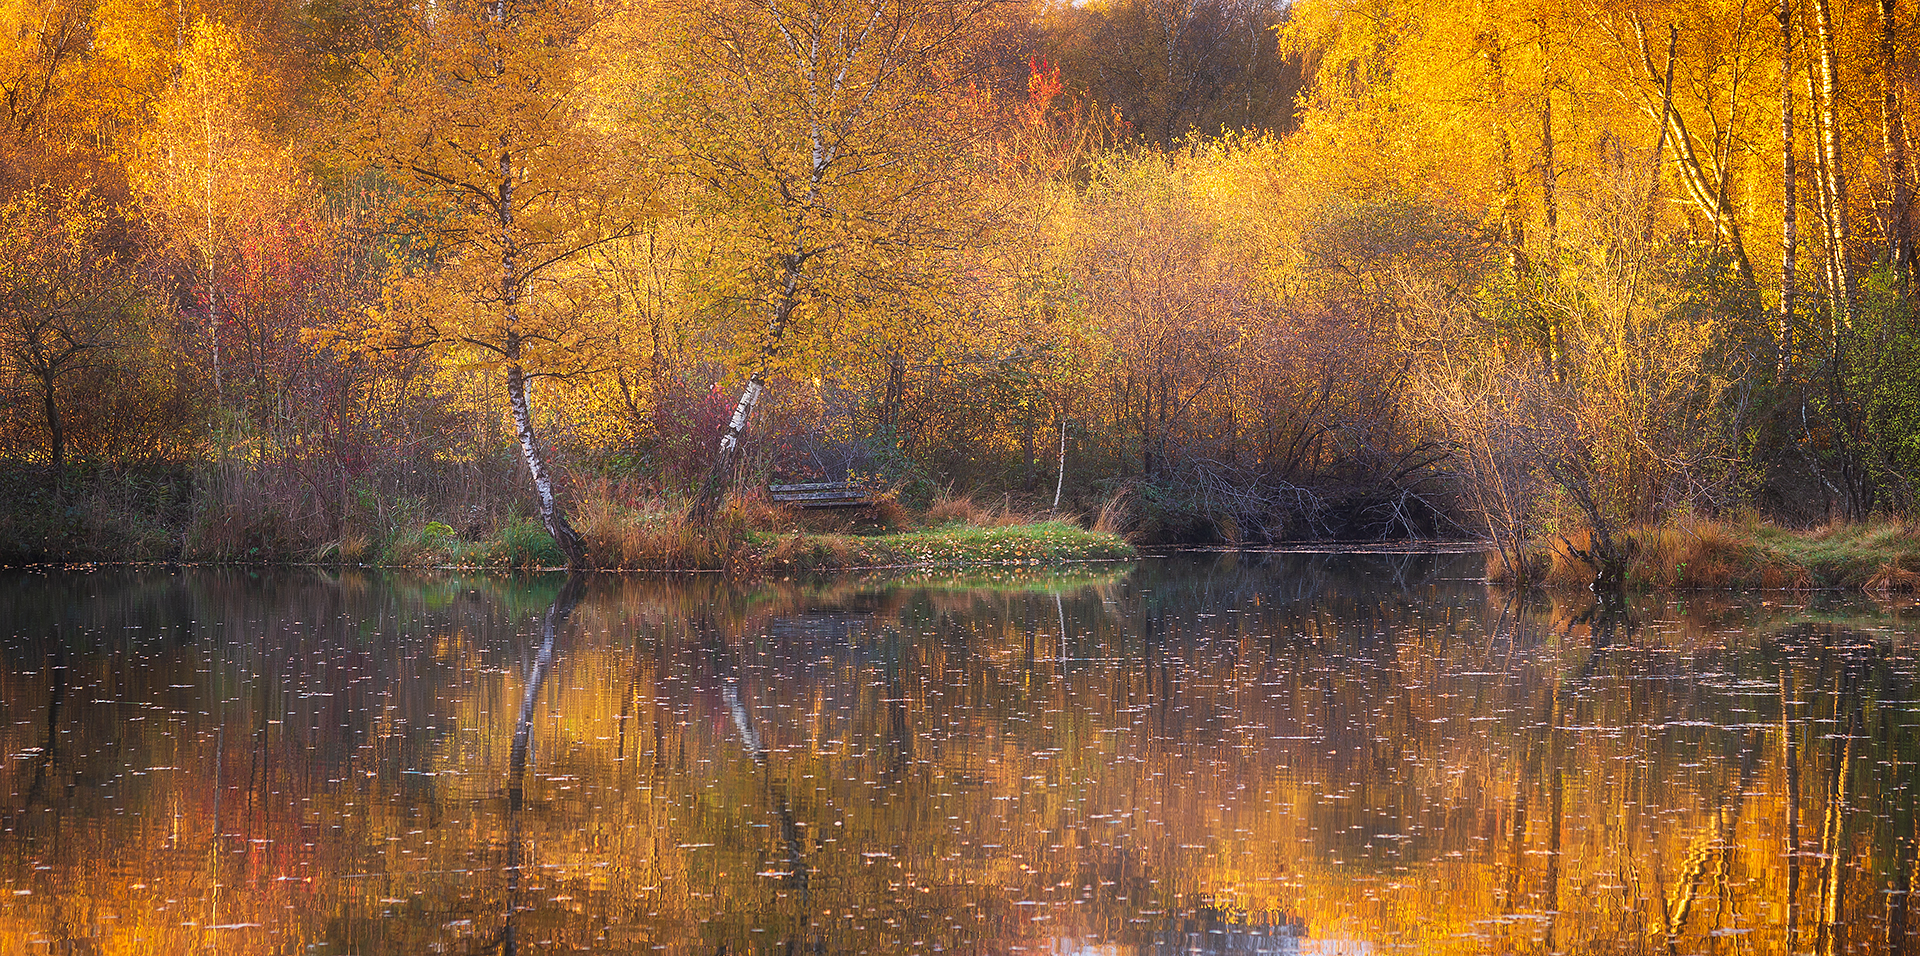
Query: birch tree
x,y
826,135
482,115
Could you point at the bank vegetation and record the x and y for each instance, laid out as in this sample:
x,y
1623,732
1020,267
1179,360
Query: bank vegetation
x,y
318,282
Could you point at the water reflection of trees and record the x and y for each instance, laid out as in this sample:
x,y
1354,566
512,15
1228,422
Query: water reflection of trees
x,y
1376,752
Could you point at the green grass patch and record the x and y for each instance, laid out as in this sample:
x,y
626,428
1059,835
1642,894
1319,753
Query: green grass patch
x,y
518,544
946,546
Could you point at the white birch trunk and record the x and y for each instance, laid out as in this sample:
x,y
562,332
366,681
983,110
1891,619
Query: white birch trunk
x,y
1838,229
551,516
1789,224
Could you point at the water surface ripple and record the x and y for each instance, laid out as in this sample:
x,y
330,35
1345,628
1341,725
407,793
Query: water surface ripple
x,y
1332,754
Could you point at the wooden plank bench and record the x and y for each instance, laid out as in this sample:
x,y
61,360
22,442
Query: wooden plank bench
x,y
821,494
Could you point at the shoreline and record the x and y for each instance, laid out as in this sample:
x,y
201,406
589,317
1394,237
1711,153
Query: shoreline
x,y
1036,545
1698,555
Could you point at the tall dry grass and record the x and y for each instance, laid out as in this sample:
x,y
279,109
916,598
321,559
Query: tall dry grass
x,y
1116,513
628,529
1700,554
948,508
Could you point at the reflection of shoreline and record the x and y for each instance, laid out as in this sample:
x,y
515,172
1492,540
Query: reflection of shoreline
x,y
929,765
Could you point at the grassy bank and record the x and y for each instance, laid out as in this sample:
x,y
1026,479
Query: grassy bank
x,y
1712,555
197,519
651,543
946,546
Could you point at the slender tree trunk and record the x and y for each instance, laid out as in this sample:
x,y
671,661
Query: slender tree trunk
x,y
1837,222
56,433
1550,204
1060,473
552,517
1549,192
895,394
1823,185
1700,188
1789,202
1660,144
726,457
1511,232
1900,252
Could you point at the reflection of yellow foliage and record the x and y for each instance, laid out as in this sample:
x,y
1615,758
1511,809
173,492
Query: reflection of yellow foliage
x,y
943,772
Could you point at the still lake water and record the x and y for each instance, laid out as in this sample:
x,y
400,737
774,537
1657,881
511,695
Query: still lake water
x,y
1205,754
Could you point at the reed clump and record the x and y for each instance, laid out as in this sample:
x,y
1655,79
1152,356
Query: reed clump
x,y
949,509
1701,554
653,533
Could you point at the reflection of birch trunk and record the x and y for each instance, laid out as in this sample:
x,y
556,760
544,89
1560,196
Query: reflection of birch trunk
x,y
550,625
1833,833
741,717
1517,841
1790,762
1688,889
1716,847
1557,793
1900,832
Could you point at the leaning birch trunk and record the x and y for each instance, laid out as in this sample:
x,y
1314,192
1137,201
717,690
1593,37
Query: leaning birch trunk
x,y
1660,143
720,474
1839,232
1060,473
551,516
1789,224
1900,252
1703,190
727,456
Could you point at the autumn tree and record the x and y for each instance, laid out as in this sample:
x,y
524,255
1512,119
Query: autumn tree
x,y
827,139
1171,67
480,115
61,301
205,172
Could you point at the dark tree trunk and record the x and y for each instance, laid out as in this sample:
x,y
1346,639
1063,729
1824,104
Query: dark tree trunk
x,y
56,432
